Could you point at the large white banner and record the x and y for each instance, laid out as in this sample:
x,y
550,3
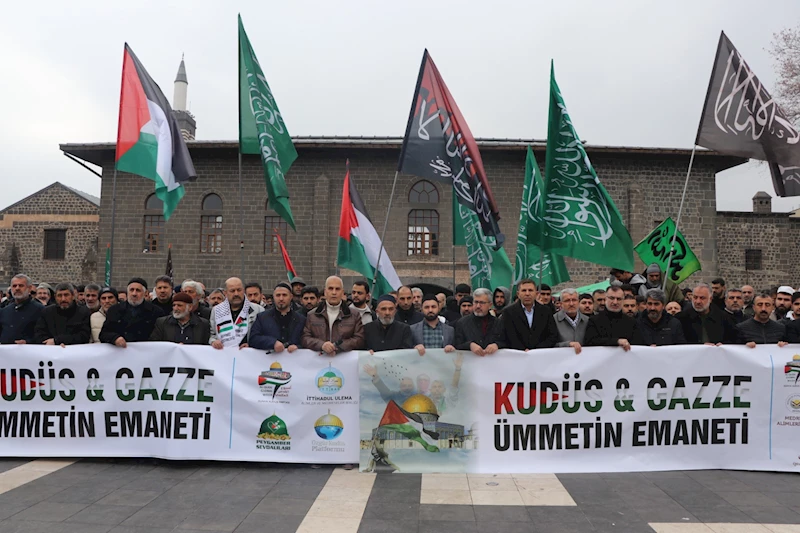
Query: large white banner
x,y
178,402
605,410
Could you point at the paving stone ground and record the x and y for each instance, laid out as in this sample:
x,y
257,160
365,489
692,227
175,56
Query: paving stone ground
x,y
153,496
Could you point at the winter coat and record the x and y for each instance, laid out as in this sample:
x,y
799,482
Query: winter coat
x,y
469,330
518,335
378,338
720,329
64,326
666,332
412,316
448,334
18,321
252,313
97,320
347,332
132,323
752,330
607,328
568,334
167,330
266,331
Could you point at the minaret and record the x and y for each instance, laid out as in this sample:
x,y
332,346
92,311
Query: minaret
x,y
185,119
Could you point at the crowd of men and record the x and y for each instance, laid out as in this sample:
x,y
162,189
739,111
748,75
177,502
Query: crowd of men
x,y
636,309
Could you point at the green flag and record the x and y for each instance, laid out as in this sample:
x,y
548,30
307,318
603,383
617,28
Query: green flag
x,y
531,261
108,265
581,218
261,128
655,249
488,268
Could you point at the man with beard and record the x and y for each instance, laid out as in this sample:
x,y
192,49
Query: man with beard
x,y
570,323
704,323
163,298
44,293
91,297
405,307
297,288
64,323
108,298
586,303
431,332
216,297
465,306
232,320
500,299
761,329
462,290
18,319
612,327
386,333
718,293
544,296
748,292
360,296
655,280
783,303
309,300
332,327
599,297
79,299
254,293
132,320
478,331
528,324
629,305
196,292
659,328
181,325
280,327
734,302
416,298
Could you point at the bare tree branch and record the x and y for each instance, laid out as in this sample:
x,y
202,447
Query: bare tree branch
x,y
785,51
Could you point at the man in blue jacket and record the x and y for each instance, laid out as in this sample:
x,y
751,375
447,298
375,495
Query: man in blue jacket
x,y
18,319
278,328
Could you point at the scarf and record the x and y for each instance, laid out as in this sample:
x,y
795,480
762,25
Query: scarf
x,y
229,332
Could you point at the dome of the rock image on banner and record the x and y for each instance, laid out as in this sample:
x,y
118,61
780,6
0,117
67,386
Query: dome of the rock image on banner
x,y
329,426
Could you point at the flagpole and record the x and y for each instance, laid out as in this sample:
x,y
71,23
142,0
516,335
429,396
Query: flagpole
x,y
454,265
383,235
678,220
241,211
113,220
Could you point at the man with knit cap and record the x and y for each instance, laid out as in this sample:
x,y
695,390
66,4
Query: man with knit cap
x,y
108,299
132,320
278,328
655,280
386,333
332,327
181,325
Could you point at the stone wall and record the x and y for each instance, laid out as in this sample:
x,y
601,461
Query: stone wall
x,y
645,187
775,234
22,228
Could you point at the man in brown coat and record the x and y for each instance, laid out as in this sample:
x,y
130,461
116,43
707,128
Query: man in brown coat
x,y
332,327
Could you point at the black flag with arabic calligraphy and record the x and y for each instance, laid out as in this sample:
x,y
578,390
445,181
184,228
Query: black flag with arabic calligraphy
x,y
741,118
439,146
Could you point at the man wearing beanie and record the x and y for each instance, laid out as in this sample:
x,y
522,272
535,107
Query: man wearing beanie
x,y
386,333
132,320
182,326
332,327
107,299
279,327
655,280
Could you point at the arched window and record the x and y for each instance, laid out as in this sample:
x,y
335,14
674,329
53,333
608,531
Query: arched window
x,y
423,192
423,232
211,225
272,224
153,223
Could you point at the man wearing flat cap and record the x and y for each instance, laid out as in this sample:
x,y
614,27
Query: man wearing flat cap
x,y
182,326
280,327
132,320
386,333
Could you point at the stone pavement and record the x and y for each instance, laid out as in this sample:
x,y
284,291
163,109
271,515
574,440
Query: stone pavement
x,y
152,496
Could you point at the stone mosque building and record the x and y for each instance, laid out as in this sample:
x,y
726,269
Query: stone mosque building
x,y
215,235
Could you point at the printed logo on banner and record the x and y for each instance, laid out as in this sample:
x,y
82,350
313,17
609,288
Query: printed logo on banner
x,y
329,381
792,370
274,382
328,427
793,402
273,435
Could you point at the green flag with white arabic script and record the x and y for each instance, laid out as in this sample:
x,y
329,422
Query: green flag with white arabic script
x,y
531,261
488,268
655,249
581,220
262,130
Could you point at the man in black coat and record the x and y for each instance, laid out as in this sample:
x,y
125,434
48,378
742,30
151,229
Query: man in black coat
x,y
132,320
18,319
657,327
405,307
280,327
761,329
704,323
612,327
64,323
528,324
386,333
181,325
480,331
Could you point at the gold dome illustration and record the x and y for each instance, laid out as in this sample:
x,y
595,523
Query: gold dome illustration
x,y
420,404
329,420
276,366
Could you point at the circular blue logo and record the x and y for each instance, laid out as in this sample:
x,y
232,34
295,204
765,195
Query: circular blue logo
x,y
329,380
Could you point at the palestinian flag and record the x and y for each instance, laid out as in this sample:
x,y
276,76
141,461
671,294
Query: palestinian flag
x,y
291,273
359,243
408,425
149,142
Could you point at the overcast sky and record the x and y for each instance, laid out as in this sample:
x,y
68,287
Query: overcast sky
x,y
633,73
